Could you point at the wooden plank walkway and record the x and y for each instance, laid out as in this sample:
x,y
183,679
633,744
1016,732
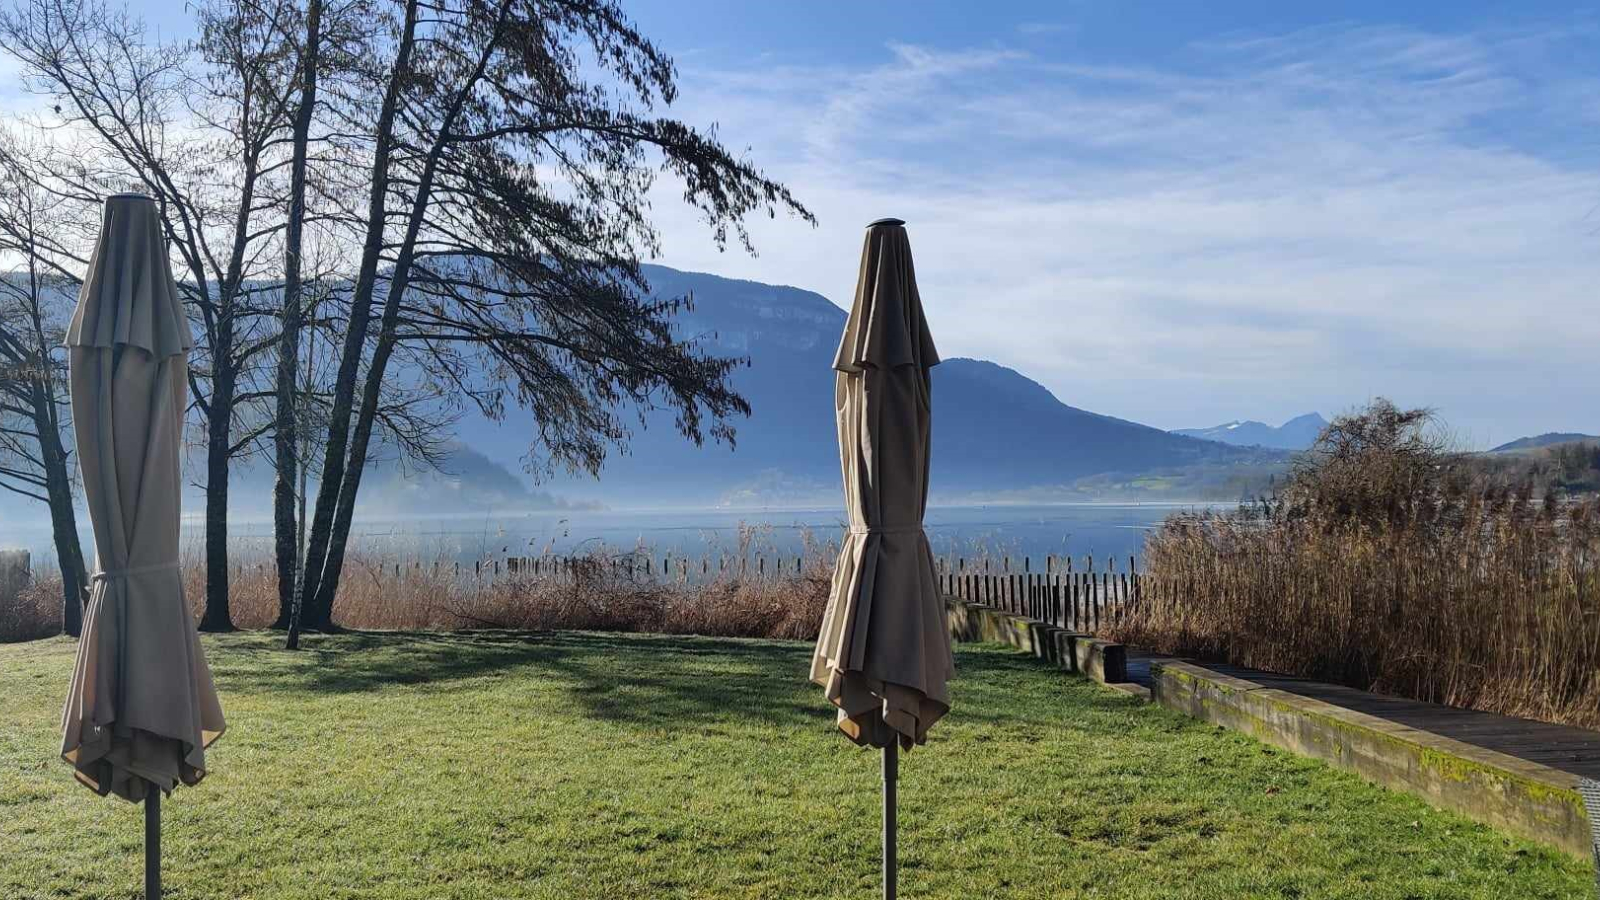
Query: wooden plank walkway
x,y
1561,747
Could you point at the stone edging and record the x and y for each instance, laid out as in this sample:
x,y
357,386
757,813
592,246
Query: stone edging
x,y
1519,796
1103,661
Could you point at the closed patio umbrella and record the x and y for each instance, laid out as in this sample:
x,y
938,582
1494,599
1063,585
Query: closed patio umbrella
x,y
883,657
141,708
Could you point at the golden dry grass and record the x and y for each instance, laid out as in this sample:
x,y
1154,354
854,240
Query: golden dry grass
x,y
1493,603
600,590
30,606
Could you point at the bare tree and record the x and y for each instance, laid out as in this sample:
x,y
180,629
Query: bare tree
x,y
35,300
328,41
512,156
490,165
200,127
286,430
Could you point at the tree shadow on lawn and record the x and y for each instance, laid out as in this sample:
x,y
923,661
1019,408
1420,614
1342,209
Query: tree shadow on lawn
x,y
667,682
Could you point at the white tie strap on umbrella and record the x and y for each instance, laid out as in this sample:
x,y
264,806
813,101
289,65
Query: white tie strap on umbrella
x,y
883,657
142,707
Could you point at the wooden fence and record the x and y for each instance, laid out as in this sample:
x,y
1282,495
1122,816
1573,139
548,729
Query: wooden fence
x,y
1080,594
1067,594
645,567
632,566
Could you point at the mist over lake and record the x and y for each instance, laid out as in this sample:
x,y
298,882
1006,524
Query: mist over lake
x,y
1076,529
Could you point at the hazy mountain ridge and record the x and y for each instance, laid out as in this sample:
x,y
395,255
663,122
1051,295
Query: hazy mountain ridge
x,y
1548,439
997,434
468,481
1296,434
995,430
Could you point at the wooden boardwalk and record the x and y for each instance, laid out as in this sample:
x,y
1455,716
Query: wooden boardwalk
x,y
1564,748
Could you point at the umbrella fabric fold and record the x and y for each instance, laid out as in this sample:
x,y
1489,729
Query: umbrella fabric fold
x,y
883,656
142,707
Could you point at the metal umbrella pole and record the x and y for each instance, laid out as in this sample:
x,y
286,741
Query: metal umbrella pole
x,y
891,825
152,844
883,652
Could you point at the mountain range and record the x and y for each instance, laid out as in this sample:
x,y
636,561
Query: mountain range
x,y
1296,434
1548,439
996,433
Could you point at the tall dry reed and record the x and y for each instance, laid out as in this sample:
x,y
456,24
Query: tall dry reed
x,y
746,590
1490,602
30,604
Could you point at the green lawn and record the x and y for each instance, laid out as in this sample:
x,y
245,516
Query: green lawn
x,y
604,766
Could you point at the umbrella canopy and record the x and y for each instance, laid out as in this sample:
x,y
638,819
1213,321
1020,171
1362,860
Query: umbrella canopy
x,y
884,653
142,708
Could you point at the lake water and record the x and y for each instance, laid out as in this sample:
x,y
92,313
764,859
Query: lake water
x,y
1100,529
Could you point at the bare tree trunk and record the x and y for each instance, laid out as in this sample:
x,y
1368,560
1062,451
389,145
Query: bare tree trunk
x,y
339,536
372,392
218,435
286,431
558,275
316,592
63,518
219,411
39,397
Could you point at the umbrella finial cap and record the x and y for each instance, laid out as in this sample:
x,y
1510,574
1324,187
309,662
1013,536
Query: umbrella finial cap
x,y
890,221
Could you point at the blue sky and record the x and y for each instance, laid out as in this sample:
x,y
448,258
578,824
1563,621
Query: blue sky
x,y
1183,213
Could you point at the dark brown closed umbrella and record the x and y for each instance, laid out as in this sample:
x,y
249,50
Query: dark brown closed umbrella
x,y
883,657
141,708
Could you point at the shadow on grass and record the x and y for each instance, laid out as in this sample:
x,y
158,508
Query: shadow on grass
x,y
664,681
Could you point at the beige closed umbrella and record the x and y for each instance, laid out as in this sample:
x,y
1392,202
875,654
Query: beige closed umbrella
x,y
142,707
883,656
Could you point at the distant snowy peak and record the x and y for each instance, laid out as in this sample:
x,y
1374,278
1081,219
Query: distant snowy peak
x,y
1296,434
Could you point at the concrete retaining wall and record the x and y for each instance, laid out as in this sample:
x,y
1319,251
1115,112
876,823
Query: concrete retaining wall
x,y
1103,661
1520,796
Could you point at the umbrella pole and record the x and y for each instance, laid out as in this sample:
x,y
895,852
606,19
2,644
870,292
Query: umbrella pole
x,y
891,778
152,844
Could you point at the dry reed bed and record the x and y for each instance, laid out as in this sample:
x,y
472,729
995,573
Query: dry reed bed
x,y
1495,605
743,589
591,592
600,590
30,608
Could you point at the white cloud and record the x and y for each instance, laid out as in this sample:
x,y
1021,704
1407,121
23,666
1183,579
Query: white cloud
x,y
1270,224
1044,28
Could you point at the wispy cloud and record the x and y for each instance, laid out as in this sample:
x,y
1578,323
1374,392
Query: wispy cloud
x,y
1266,225
1038,28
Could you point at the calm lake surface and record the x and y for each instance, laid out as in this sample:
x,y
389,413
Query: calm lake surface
x,y
1100,529
1038,531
